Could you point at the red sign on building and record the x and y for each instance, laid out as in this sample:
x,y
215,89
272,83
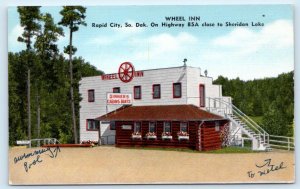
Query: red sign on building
x,y
126,73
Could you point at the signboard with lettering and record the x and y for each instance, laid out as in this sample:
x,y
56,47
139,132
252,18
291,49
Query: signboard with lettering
x,y
126,73
116,75
126,127
118,98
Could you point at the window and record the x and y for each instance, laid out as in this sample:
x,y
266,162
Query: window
x,y
176,90
156,91
183,127
137,127
167,127
91,95
152,127
112,125
217,126
137,92
202,95
92,125
116,90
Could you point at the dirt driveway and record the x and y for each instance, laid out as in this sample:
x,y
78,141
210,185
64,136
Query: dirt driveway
x,y
108,165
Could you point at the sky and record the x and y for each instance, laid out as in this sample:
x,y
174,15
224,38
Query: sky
x,y
250,52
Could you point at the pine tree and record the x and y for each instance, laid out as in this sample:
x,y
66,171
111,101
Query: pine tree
x,y
47,50
73,17
29,19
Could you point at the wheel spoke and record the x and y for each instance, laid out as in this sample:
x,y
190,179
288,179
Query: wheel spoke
x,y
126,72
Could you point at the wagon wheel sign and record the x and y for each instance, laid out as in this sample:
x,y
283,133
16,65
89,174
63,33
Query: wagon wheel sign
x,y
126,72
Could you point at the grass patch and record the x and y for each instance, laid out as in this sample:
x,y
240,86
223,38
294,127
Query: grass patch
x,y
257,119
163,149
230,149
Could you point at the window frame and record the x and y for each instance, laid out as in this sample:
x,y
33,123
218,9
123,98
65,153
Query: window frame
x,y
174,84
134,95
187,126
153,91
94,121
134,127
164,128
93,92
154,126
118,88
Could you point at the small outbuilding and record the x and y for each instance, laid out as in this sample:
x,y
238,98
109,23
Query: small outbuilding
x,y
172,126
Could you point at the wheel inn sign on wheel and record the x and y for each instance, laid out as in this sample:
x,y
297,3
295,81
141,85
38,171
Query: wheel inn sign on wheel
x,y
125,73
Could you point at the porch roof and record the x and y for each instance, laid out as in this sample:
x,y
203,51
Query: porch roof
x,y
160,113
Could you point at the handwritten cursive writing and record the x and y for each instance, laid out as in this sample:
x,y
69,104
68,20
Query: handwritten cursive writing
x,y
27,165
265,168
51,152
37,152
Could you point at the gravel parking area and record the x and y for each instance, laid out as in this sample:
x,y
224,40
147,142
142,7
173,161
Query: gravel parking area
x,y
110,165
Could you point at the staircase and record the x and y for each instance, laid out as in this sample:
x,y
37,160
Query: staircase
x,y
259,139
241,124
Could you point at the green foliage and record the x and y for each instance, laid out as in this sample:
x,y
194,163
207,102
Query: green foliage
x,y
50,82
271,98
276,122
68,49
257,119
29,19
45,42
54,92
231,149
72,17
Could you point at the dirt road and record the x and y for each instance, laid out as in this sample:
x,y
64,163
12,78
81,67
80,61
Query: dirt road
x,y
106,165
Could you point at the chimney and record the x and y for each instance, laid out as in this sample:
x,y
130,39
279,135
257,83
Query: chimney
x,y
184,62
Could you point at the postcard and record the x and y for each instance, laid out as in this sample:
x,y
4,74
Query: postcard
x,y
150,94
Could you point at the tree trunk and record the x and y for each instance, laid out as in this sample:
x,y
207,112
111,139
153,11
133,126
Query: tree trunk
x,y
71,89
38,117
28,104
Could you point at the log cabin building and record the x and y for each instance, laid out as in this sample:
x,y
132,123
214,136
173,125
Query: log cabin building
x,y
167,126
166,107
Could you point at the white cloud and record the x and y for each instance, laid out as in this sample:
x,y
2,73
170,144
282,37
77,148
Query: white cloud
x,y
250,53
13,44
278,34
